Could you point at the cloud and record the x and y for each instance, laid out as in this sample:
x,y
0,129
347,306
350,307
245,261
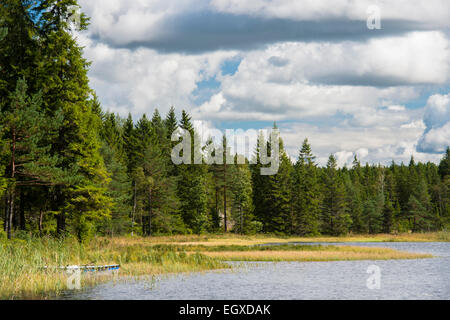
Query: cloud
x,y
436,136
313,66
302,80
141,80
343,157
433,11
200,26
376,144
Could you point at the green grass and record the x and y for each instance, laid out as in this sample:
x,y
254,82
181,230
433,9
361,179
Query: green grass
x,y
22,274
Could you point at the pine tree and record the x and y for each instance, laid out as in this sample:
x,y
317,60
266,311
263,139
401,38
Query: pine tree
x,y
443,197
130,144
170,123
241,190
388,215
279,219
419,208
120,185
354,192
157,194
191,186
260,186
63,77
306,197
28,134
444,165
19,47
336,219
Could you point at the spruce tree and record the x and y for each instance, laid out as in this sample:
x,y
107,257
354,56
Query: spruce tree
x,y
280,210
28,134
260,185
241,190
191,186
336,219
306,196
63,77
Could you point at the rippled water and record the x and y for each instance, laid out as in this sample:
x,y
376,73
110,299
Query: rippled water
x,y
400,279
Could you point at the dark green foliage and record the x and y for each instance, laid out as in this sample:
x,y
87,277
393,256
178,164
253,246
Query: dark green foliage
x,y
306,196
191,186
68,166
335,217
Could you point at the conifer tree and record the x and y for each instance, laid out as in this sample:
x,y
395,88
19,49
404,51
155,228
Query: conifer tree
x,y
306,198
336,219
63,77
279,219
241,189
28,134
354,192
191,185
170,123
260,185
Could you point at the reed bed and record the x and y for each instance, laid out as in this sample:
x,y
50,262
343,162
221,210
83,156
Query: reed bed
x,y
233,239
23,274
22,262
324,254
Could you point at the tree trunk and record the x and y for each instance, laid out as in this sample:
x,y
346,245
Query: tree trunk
x,y
61,223
217,219
242,218
22,211
11,188
5,224
11,212
225,197
61,217
150,213
134,211
41,217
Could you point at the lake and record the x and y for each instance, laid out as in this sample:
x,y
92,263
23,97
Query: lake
x,y
399,279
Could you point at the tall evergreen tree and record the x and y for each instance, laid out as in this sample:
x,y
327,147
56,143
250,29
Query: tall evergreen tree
x,y
279,219
336,219
28,134
306,197
241,189
191,185
260,185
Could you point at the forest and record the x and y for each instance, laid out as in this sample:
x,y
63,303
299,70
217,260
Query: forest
x,y
69,167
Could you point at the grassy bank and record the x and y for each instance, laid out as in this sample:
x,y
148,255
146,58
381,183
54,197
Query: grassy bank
x,y
22,274
233,239
309,253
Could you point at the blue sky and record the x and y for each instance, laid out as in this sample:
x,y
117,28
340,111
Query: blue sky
x,y
315,69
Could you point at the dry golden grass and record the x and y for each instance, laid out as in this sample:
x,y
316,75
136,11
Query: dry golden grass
x,y
335,254
21,262
232,239
23,276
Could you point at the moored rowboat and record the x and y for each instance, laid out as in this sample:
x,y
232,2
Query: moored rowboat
x,y
88,268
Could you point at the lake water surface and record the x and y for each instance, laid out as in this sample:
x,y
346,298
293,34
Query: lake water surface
x,y
400,279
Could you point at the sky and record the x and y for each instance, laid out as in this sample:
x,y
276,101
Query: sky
x,y
313,66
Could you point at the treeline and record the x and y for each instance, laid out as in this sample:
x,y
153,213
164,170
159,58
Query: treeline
x,y
66,166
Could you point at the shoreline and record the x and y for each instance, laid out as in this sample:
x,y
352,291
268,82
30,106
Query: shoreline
x,y
149,257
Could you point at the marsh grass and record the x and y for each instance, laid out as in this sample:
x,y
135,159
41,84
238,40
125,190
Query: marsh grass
x,y
23,276
315,253
234,239
22,262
